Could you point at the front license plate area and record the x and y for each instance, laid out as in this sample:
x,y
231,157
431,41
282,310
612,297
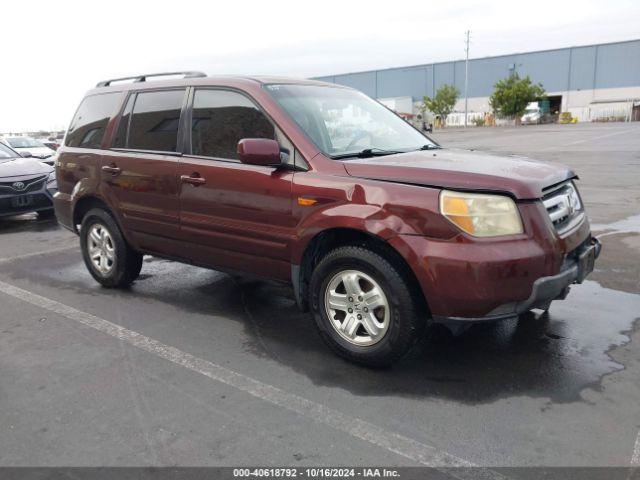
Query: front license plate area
x,y
21,201
586,262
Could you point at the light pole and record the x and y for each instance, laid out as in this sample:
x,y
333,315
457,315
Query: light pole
x,y
466,77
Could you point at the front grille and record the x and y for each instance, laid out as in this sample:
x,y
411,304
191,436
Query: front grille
x,y
30,185
563,206
34,202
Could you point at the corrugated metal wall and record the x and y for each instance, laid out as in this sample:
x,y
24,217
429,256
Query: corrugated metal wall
x,y
611,65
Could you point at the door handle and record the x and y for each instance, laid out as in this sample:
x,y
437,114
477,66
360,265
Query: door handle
x,y
112,169
193,179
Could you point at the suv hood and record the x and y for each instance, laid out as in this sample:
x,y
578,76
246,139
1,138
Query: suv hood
x,y
22,167
461,169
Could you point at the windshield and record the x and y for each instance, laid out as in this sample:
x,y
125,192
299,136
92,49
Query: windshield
x,y
24,142
341,121
6,153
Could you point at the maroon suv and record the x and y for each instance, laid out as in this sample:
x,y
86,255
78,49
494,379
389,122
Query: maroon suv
x,y
379,229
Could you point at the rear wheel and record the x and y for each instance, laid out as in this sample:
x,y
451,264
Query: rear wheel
x,y
108,257
364,306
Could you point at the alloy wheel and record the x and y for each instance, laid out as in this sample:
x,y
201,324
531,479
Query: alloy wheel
x,y
357,307
101,249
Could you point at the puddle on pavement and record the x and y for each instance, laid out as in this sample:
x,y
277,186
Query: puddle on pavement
x,y
628,225
618,267
554,355
28,222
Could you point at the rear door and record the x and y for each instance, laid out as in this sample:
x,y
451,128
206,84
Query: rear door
x,y
139,172
80,158
233,215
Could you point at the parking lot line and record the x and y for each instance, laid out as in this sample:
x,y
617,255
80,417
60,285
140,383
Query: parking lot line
x,y
635,458
35,254
590,139
361,429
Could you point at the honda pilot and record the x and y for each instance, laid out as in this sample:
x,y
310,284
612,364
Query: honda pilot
x,y
380,231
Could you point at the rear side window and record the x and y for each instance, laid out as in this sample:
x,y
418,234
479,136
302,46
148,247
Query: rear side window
x,y
155,120
222,118
120,140
90,122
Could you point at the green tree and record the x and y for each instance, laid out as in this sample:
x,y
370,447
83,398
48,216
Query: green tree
x,y
442,103
512,95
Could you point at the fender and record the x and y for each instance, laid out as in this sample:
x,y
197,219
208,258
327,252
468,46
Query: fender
x,y
381,209
86,189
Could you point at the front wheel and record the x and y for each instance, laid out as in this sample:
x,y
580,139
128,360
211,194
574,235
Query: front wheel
x,y
108,257
365,307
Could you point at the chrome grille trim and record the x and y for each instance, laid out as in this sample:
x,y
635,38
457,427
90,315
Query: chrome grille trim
x,y
564,206
31,185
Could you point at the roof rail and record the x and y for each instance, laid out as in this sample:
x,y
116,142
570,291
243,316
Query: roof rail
x,y
143,78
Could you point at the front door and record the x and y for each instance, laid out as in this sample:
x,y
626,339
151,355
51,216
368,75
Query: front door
x,y
232,215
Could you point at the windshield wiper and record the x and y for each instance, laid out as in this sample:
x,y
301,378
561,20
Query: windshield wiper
x,y
430,146
367,153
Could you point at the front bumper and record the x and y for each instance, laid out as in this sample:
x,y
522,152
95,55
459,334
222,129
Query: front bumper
x,y
577,265
25,202
488,279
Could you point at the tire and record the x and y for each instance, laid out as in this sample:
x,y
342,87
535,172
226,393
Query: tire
x,y
405,316
121,263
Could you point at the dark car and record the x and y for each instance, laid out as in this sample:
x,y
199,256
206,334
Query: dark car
x,y
26,184
379,230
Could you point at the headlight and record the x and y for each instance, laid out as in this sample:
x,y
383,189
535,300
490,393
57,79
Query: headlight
x,y
51,181
481,215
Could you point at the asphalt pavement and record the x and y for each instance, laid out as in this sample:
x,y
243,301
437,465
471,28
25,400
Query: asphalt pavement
x,y
195,367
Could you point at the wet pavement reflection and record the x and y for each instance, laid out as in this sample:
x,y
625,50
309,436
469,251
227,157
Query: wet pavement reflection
x,y
556,354
29,222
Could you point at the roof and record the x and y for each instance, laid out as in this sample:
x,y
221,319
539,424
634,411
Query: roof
x,y
141,82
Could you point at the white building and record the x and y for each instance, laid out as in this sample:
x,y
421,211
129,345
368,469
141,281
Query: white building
x,y
593,82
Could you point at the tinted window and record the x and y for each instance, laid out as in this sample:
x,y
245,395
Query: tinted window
x,y
154,124
221,119
120,141
90,122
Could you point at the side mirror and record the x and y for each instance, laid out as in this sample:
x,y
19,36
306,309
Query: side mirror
x,y
26,154
259,151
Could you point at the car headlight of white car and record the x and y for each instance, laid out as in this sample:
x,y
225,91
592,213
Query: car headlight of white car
x,y
481,215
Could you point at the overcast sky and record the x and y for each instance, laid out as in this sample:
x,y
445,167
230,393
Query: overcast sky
x,y
55,51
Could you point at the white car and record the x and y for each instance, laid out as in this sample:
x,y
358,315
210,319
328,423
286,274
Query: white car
x,y
535,115
31,147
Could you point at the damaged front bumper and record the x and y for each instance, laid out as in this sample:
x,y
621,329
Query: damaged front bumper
x,y
577,265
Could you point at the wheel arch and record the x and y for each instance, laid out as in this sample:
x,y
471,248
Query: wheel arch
x,y
329,239
89,202
83,205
